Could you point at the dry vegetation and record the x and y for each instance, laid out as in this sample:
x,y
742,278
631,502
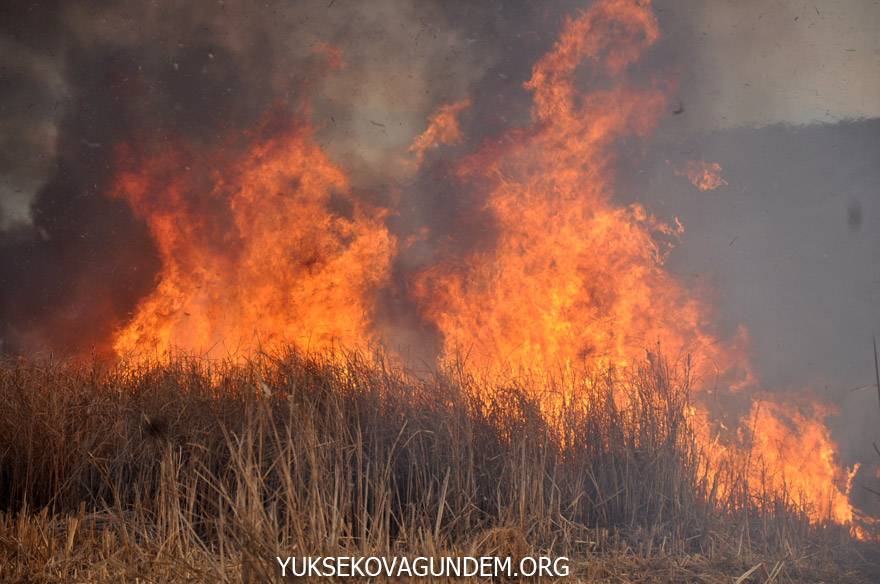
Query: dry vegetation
x,y
200,472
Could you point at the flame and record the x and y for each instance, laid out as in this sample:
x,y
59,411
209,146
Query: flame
x,y
572,278
706,176
443,128
781,451
793,454
273,250
333,56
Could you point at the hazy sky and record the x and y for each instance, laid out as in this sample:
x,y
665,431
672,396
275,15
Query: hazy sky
x,y
758,62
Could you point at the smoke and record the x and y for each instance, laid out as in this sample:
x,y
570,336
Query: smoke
x,y
753,63
79,79
31,87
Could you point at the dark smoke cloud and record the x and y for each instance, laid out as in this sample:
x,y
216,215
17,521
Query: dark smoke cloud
x,y
83,261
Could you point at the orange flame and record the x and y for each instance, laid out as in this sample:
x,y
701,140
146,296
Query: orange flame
x,y
793,453
706,176
443,128
783,451
278,251
572,278
333,55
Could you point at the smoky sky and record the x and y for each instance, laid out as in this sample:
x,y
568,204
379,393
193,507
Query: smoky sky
x,y
785,96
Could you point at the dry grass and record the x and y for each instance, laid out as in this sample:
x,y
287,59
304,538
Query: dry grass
x,y
200,472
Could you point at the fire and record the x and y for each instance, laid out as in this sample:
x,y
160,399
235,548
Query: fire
x,y
706,176
333,55
793,453
779,452
573,278
783,451
273,249
443,128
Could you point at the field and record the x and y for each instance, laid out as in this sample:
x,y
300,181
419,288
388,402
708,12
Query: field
x,y
196,471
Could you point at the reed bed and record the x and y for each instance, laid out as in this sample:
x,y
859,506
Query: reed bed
x,y
188,470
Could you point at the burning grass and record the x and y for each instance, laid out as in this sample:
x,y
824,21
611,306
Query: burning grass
x,y
202,471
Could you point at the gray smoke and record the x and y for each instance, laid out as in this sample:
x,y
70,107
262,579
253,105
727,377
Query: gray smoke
x,y
80,78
